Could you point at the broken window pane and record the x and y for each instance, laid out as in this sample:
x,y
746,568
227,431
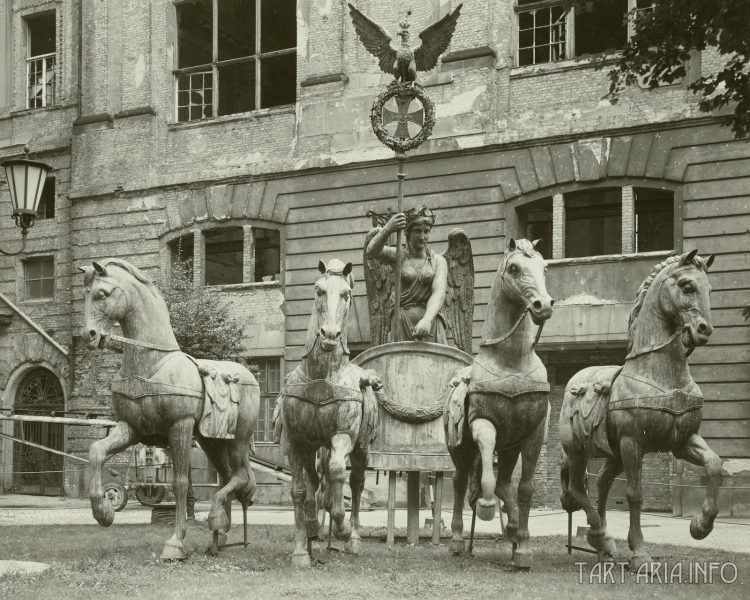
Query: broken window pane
x,y
535,220
600,26
46,209
40,64
654,219
278,27
593,221
224,255
267,254
194,96
236,29
542,35
194,38
237,88
278,80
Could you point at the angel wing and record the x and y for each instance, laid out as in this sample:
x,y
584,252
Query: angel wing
x,y
435,40
376,40
458,308
379,282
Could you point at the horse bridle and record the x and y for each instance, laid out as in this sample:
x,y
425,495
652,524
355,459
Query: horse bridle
x,y
317,330
502,338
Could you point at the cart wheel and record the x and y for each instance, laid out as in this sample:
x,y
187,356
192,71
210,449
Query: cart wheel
x,y
149,495
116,494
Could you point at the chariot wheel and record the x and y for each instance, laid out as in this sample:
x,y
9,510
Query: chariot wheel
x,y
149,495
116,494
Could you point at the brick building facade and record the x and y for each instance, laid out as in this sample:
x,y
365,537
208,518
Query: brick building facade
x,y
168,121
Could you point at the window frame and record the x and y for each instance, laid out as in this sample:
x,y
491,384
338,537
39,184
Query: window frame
x,y
48,66
26,280
212,68
267,398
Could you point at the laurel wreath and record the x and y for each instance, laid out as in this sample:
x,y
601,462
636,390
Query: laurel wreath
x,y
410,414
412,90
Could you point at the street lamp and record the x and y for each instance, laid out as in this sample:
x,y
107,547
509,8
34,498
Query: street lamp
x,y
25,182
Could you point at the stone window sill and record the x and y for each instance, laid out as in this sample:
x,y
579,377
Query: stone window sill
x,y
231,287
589,61
246,116
608,258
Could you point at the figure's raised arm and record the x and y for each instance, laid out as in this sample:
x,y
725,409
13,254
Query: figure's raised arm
x,y
437,297
377,247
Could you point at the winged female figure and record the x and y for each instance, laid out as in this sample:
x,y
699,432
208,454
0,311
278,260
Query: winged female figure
x,y
437,291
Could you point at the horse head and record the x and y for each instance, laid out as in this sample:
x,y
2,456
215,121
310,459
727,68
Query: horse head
x,y
684,297
522,273
333,296
105,303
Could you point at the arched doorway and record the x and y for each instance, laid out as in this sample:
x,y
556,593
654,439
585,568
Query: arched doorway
x,y
37,471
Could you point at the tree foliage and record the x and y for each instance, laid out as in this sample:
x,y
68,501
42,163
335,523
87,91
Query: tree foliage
x,y
202,321
661,46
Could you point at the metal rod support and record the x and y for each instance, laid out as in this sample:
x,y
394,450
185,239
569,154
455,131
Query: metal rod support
x,y
397,267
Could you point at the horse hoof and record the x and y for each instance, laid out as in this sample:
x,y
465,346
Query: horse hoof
x,y
103,512
458,547
569,503
311,528
486,509
640,563
599,541
353,546
218,520
697,528
344,533
522,559
301,561
172,552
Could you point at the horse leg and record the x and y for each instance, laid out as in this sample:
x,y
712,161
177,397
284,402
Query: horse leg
x,y
180,440
506,463
697,452
296,455
358,459
579,497
484,435
567,500
341,447
311,488
122,436
530,450
218,518
632,460
611,469
463,459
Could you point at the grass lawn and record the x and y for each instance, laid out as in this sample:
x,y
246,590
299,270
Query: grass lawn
x,y
121,562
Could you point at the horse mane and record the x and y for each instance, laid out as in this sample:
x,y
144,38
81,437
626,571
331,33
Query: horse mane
x,y
526,247
643,289
134,271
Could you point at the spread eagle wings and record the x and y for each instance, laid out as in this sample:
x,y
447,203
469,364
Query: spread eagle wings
x,y
458,308
379,280
377,41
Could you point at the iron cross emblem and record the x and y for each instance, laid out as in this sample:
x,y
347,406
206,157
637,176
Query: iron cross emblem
x,y
402,116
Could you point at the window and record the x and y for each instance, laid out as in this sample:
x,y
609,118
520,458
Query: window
x,y
46,209
224,255
654,219
181,253
549,31
536,224
593,222
269,380
234,56
267,254
39,278
40,62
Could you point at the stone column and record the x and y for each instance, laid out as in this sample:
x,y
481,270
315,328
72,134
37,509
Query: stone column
x,y
558,226
199,258
248,254
628,220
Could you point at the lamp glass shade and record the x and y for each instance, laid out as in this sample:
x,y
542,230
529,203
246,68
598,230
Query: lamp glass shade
x,y
25,182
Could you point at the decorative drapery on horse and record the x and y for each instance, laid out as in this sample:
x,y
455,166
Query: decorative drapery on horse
x,y
163,397
327,402
500,403
650,404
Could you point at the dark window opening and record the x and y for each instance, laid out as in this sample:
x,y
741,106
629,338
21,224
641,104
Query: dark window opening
x,y
224,255
39,278
182,252
46,209
40,61
42,34
237,88
267,254
593,222
600,26
654,219
535,220
194,33
269,380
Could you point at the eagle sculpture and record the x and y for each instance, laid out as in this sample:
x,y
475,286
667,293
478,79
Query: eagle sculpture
x,y
404,62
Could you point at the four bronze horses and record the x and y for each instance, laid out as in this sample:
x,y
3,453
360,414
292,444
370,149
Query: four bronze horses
x,y
328,402
500,403
650,404
162,397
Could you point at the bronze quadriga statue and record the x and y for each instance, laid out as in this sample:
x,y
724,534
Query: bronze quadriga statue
x,y
327,402
651,404
163,397
500,403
